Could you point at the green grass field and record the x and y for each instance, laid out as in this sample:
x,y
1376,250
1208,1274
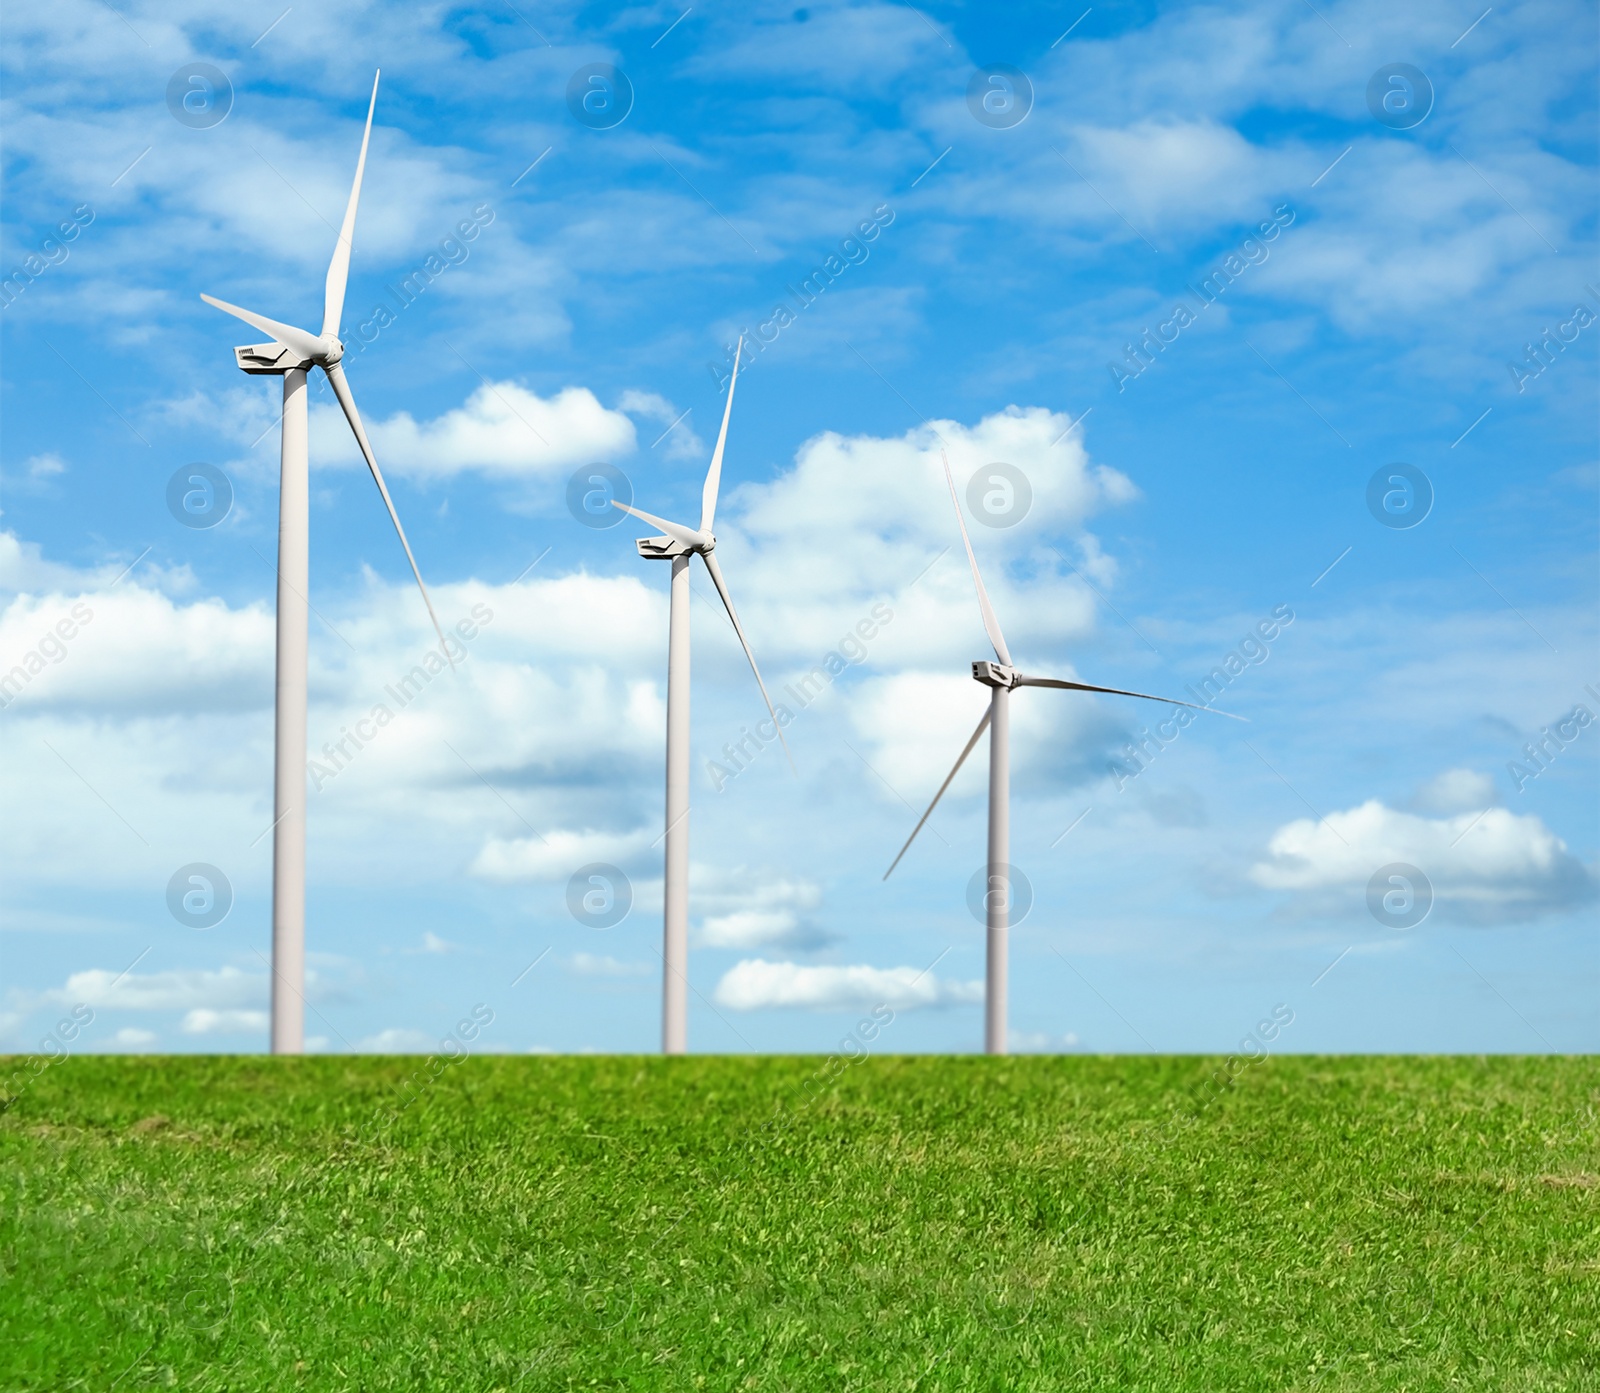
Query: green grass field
x,y
757,1223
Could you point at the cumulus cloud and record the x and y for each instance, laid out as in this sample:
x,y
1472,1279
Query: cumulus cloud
x,y
757,911
1488,868
198,990
244,414
756,928
206,1020
130,648
555,855
1161,170
1041,1042
397,1040
558,709
24,569
1455,239
602,965
872,513
918,722
166,706
894,486
1456,791
756,984
45,466
503,431
862,522
677,439
432,943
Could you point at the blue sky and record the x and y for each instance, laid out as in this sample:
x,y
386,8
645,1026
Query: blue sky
x,y
1385,318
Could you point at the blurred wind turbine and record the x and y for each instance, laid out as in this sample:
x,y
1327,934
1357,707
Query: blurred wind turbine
x,y
677,546
1000,678
290,356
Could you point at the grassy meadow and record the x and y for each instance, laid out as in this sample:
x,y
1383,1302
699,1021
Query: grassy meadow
x,y
782,1223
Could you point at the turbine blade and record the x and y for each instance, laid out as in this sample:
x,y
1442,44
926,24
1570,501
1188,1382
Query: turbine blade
x,y
708,498
991,625
341,389
1118,691
339,267
687,535
306,345
727,603
983,725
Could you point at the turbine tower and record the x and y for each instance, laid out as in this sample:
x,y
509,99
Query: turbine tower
x,y
677,546
290,356
1000,678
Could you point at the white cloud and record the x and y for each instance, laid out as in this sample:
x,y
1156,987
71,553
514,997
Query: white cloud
x,y
398,1040
1490,868
756,984
1456,791
559,706
554,709
918,723
23,569
503,430
133,1037
856,521
244,414
755,928
555,855
1041,1041
45,466
131,648
1364,260
207,1021
600,965
1401,231
166,707
754,910
177,990
1158,171
843,487
679,440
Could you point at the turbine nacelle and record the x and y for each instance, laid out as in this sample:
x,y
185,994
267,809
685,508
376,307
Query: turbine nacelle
x,y
270,359
273,359
995,674
667,548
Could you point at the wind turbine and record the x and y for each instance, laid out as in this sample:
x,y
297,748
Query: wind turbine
x,y
292,354
677,546
1001,677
